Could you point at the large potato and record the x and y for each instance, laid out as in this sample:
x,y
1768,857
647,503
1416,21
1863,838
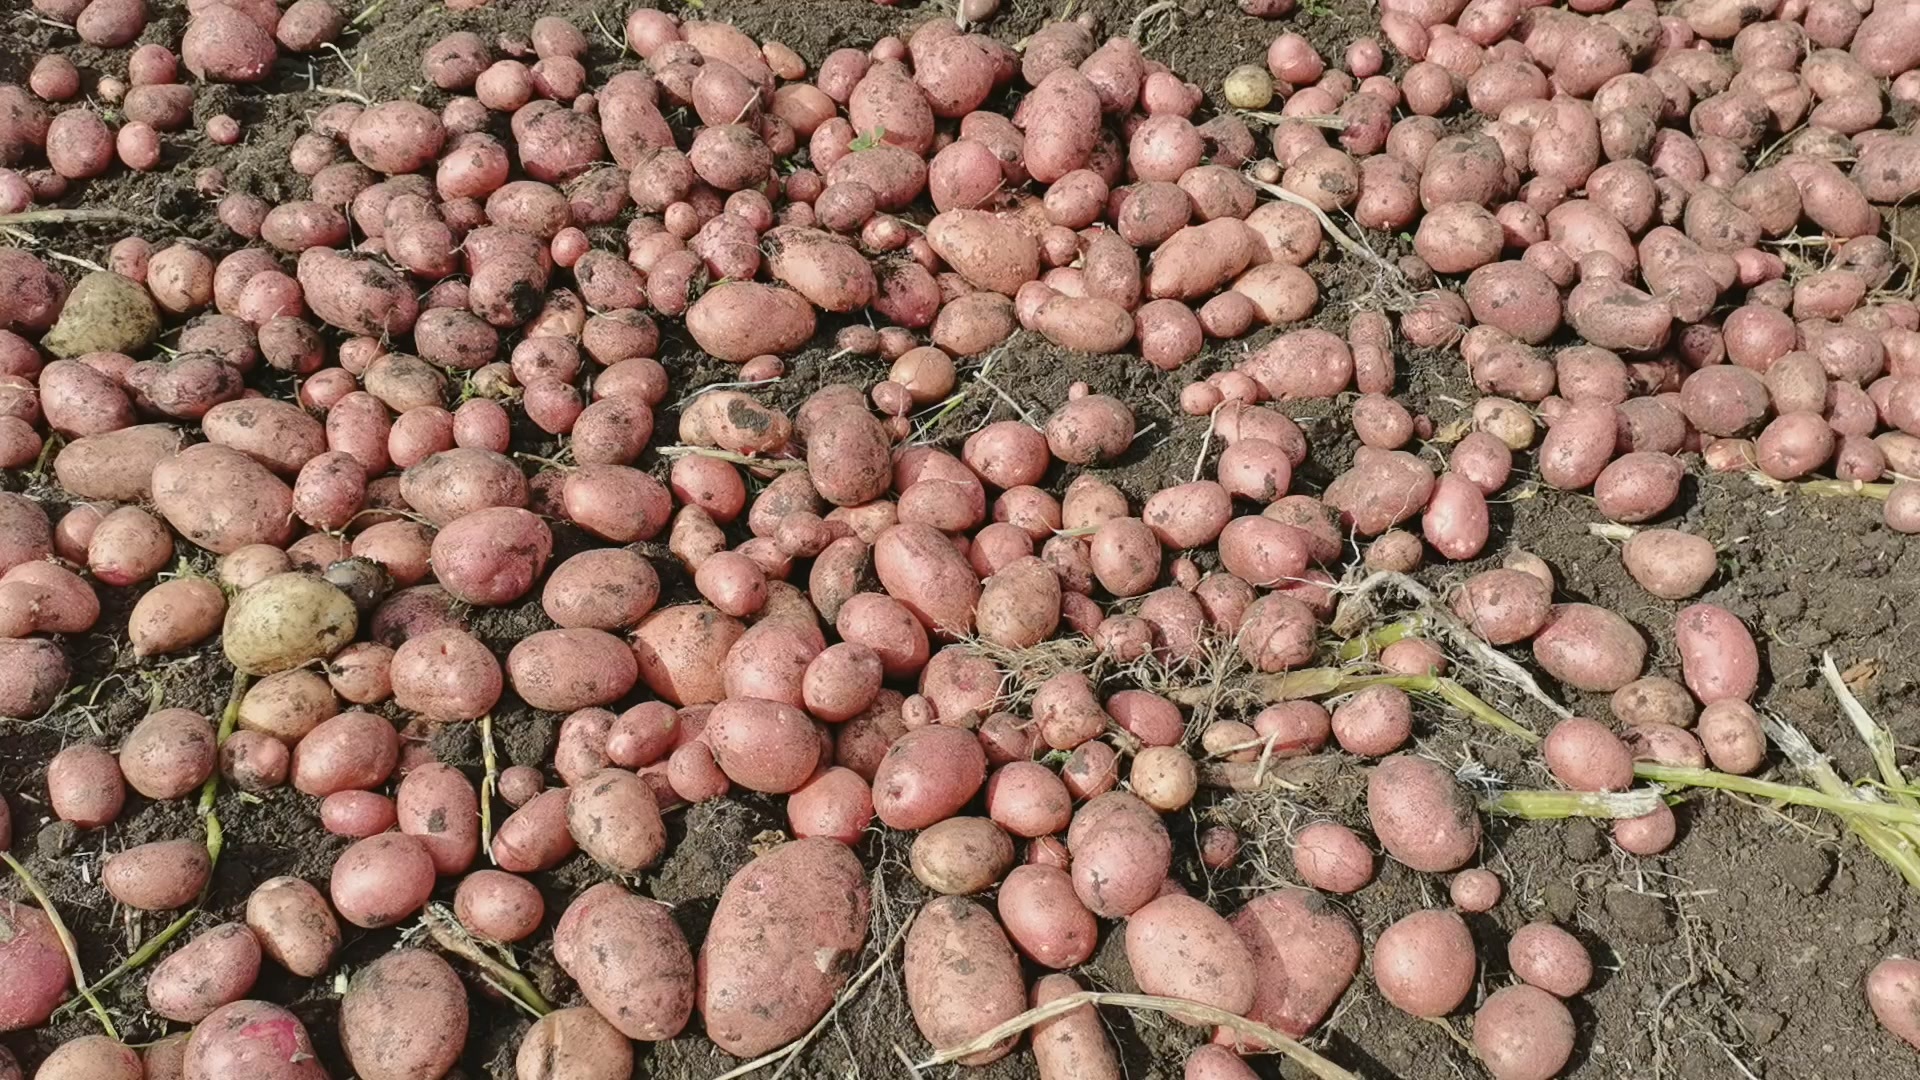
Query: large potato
x,y
286,621
38,973
1179,947
921,568
1589,648
564,670
767,746
176,614
781,945
252,1040
630,959
116,465
682,651
492,556
404,1017
963,978
223,500
739,320
1305,954
1718,657
927,775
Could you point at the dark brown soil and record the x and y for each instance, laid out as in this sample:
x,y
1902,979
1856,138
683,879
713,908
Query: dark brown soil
x,y
1738,954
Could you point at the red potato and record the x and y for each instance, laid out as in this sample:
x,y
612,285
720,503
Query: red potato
x,y
32,949
631,961
1523,1033
564,670
1718,657
1305,953
927,775
445,674
1589,647
963,977
158,876
1550,958
1420,815
404,1015
92,1056
352,751
216,968
1424,964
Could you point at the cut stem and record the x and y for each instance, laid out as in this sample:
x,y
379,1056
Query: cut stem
x,y
1321,682
1189,1011
488,784
64,216
1553,805
1368,644
66,943
1825,489
1681,776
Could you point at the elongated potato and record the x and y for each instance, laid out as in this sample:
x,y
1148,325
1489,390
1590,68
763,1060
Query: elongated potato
x,y
630,959
962,976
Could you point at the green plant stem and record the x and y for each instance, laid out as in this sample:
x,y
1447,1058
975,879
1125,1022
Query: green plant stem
x,y
449,936
66,943
1368,644
1553,805
1680,776
229,719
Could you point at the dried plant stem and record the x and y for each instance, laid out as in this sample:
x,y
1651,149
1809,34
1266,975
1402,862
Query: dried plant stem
x,y
66,943
1324,682
1608,530
1353,247
488,784
1826,489
790,1053
63,217
1190,1011
1893,844
728,455
1878,739
449,935
1553,805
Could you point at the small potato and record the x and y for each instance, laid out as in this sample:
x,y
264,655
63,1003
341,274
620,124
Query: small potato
x,y
216,968
1638,486
1732,736
1374,722
287,705
1670,564
961,856
1163,777
168,754
1718,658
1653,700
174,615
382,880
84,786
1523,1033
159,876
1332,857
91,1057
1424,964
1586,756
1421,815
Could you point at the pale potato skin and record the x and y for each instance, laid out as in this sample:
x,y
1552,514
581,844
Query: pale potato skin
x,y
294,925
288,705
404,1017
1670,564
795,918
216,968
253,1039
1044,918
1420,815
961,855
630,959
962,976
1550,958
1121,853
1073,1046
1216,1063
91,1057
573,1044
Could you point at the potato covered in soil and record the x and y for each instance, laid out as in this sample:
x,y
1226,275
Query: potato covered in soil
x,y
382,880
963,977
630,959
573,1044
216,968
41,976
961,855
294,925
1121,852
615,818
404,1017
286,621
794,919
1179,947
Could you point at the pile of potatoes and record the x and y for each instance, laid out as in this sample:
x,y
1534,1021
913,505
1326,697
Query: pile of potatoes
x,y
446,288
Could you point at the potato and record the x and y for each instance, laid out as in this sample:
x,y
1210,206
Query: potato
x,y
573,1044
1305,952
294,925
287,705
1424,964
404,1015
1589,648
847,456
454,483
1586,756
1670,564
222,499
356,814
84,786
738,321
1121,852
252,1038
436,804
1718,658
1044,918
1420,815
1522,1033
630,959
535,837
1178,947
168,754
91,1057
1331,857
961,855
1891,987
355,751
159,876
382,880
615,819
564,670
835,803
492,556
116,465
42,976
927,775
1503,606
681,651
1550,958
216,968
175,615
920,568
962,976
